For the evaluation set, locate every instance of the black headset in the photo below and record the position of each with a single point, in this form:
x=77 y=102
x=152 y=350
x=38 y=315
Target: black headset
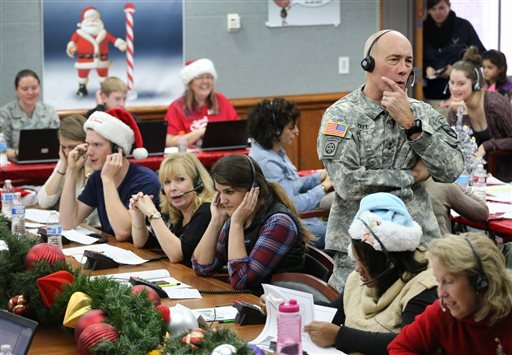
x=198 y=184
x=390 y=262
x=368 y=62
x=253 y=169
x=474 y=87
x=479 y=282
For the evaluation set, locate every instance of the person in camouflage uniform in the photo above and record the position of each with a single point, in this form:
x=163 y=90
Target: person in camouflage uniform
x=376 y=139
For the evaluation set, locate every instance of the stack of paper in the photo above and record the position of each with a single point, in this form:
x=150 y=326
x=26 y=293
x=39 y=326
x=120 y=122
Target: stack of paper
x=308 y=310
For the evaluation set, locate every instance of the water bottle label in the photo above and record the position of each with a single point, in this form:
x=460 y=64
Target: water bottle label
x=57 y=230
x=18 y=211
x=463 y=180
x=3 y=147
x=7 y=197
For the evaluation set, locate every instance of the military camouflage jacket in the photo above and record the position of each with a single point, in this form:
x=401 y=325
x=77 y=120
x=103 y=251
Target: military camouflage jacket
x=13 y=120
x=365 y=151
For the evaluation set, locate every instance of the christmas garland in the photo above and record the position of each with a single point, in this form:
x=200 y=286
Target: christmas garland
x=136 y=326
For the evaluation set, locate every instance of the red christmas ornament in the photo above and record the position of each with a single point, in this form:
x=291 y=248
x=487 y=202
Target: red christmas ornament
x=194 y=339
x=93 y=334
x=92 y=317
x=52 y=284
x=152 y=295
x=43 y=252
x=17 y=305
x=165 y=312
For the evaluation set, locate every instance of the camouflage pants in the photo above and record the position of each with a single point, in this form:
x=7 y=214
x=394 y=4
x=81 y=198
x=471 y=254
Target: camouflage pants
x=343 y=266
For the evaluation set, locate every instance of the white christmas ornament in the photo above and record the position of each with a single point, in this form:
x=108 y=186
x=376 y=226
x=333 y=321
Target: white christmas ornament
x=224 y=349
x=182 y=319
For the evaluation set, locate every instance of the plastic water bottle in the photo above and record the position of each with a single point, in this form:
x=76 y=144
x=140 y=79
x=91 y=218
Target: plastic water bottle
x=480 y=182
x=7 y=198
x=6 y=349
x=3 y=150
x=182 y=142
x=289 y=328
x=54 y=230
x=18 y=216
x=463 y=180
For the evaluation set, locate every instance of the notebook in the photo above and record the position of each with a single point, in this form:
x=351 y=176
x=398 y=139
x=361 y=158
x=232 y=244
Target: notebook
x=17 y=331
x=224 y=135
x=153 y=136
x=38 y=146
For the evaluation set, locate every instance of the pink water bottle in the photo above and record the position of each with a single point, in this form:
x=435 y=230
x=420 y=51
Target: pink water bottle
x=289 y=329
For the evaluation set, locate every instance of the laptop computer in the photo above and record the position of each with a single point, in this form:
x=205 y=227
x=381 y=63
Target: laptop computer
x=17 y=331
x=153 y=135
x=224 y=135
x=38 y=146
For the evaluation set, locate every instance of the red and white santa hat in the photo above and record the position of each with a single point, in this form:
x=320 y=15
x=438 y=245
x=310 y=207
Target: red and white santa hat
x=89 y=13
x=119 y=127
x=197 y=67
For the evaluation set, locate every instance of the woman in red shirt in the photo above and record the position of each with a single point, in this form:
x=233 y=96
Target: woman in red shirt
x=474 y=311
x=199 y=104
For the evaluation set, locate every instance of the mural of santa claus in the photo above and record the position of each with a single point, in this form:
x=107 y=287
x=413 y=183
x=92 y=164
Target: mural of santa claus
x=90 y=42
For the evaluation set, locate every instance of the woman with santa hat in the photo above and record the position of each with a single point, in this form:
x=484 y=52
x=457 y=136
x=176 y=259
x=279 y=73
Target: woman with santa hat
x=199 y=104
x=26 y=112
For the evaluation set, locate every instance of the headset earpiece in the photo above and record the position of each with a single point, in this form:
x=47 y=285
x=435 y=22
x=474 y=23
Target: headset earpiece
x=368 y=63
x=479 y=282
x=277 y=132
x=198 y=183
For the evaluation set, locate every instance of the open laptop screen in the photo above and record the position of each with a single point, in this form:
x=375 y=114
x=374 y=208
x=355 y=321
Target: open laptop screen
x=17 y=331
x=38 y=146
x=223 y=135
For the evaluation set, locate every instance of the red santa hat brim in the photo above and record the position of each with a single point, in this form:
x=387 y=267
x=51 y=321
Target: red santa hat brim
x=119 y=127
x=198 y=67
x=89 y=12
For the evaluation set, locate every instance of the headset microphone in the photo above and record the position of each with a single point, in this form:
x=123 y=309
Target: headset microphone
x=194 y=189
x=390 y=266
x=441 y=304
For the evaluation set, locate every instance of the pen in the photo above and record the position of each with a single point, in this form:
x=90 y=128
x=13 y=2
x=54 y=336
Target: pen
x=227 y=321
x=171 y=284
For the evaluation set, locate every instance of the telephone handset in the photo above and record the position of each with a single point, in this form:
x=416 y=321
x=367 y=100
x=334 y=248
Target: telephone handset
x=98 y=261
x=115 y=148
x=248 y=313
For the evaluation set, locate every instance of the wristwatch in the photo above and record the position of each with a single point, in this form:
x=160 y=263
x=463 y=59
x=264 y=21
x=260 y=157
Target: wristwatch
x=155 y=215
x=415 y=128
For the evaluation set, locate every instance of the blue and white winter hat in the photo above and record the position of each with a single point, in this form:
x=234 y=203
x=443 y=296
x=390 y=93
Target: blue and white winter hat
x=390 y=221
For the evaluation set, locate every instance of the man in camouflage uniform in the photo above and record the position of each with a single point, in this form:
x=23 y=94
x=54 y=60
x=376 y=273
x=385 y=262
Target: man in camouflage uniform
x=376 y=139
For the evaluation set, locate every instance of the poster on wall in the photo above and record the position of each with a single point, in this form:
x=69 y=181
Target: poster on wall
x=138 y=41
x=285 y=13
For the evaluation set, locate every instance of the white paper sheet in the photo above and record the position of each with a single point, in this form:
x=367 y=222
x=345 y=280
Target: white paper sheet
x=159 y=276
x=33 y=225
x=121 y=256
x=491 y=180
x=499 y=207
x=37 y=215
x=3 y=245
x=276 y=295
x=79 y=235
x=182 y=293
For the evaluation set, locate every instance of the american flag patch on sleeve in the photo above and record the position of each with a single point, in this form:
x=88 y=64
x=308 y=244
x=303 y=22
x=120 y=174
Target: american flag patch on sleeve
x=335 y=129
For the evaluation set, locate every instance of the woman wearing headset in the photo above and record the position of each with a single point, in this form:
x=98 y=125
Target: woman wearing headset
x=254 y=227
x=187 y=190
x=273 y=127
x=474 y=311
x=391 y=283
x=489 y=114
